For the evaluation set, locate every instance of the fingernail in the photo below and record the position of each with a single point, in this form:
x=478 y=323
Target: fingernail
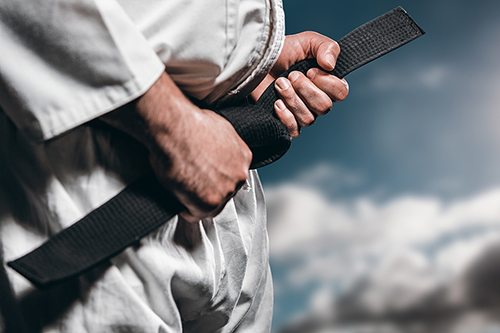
x=346 y=84
x=312 y=73
x=330 y=59
x=293 y=76
x=282 y=83
x=280 y=105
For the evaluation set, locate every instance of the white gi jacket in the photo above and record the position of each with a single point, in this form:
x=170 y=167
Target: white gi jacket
x=66 y=62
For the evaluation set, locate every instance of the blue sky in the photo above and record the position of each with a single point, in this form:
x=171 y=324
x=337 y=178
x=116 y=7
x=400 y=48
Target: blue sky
x=422 y=119
x=411 y=157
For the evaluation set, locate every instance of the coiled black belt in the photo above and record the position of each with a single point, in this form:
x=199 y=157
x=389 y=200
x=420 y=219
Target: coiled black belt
x=145 y=205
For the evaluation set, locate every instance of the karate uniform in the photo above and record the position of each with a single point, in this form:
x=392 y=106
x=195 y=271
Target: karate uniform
x=63 y=64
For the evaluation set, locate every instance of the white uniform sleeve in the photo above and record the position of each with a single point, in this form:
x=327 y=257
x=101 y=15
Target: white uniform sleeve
x=65 y=62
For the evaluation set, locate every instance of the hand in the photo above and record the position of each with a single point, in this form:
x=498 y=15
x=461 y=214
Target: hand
x=304 y=98
x=195 y=153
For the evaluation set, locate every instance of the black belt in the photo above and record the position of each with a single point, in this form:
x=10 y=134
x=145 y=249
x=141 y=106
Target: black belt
x=144 y=205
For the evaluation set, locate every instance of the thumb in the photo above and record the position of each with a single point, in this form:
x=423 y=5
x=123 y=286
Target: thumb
x=323 y=49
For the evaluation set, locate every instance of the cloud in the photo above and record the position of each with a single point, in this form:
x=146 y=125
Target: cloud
x=410 y=262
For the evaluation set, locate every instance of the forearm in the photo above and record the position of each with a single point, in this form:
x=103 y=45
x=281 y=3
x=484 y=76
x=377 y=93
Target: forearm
x=153 y=114
x=195 y=153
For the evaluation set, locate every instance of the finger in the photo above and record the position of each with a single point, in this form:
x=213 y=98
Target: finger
x=324 y=49
x=337 y=89
x=193 y=214
x=294 y=103
x=287 y=118
x=327 y=54
x=317 y=101
x=197 y=210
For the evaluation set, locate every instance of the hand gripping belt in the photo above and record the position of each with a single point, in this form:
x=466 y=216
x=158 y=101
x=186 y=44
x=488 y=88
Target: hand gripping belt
x=144 y=205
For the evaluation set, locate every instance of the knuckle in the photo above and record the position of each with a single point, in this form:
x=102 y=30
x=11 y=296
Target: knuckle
x=212 y=200
x=318 y=102
x=304 y=87
x=324 y=106
x=242 y=176
x=248 y=156
x=293 y=104
x=307 y=119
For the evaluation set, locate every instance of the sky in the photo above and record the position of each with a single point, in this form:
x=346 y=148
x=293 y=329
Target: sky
x=384 y=216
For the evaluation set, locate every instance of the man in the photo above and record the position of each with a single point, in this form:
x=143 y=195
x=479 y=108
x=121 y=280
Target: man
x=130 y=65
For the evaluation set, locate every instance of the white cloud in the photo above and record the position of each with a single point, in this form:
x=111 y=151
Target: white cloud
x=371 y=259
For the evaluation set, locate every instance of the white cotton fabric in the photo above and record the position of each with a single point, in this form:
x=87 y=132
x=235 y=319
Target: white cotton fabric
x=66 y=62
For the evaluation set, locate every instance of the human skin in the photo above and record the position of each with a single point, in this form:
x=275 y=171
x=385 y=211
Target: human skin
x=196 y=154
x=305 y=97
